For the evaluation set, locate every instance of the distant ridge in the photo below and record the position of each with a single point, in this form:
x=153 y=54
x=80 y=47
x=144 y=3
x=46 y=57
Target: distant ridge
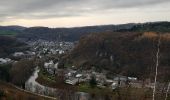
x=75 y=33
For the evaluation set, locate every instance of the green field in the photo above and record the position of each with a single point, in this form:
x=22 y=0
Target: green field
x=8 y=32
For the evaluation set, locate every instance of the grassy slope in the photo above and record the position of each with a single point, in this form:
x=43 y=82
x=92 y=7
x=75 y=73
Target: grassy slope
x=8 y=32
x=11 y=93
x=9 y=45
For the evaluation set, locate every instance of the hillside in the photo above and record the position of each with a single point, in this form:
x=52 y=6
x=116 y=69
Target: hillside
x=67 y=34
x=75 y=33
x=126 y=53
x=147 y=27
x=11 y=30
x=9 y=92
x=10 y=45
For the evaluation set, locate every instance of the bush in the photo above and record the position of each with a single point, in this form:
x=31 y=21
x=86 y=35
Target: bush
x=93 y=81
x=2 y=93
x=21 y=71
x=4 y=72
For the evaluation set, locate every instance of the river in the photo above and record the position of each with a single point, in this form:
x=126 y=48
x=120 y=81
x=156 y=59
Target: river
x=35 y=87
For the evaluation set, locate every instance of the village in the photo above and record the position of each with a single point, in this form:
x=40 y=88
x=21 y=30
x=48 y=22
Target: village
x=39 y=48
x=50 y=47
x=71 y=74
x=75 y=76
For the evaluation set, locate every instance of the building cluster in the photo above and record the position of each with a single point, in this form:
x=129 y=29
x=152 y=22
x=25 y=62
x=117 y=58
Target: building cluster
x=74 y=76
x=42 y=47
x=25 y=54
x=5 y=60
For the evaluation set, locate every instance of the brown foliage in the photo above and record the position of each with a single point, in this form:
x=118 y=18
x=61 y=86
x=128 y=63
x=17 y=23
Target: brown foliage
x=21 y=71
x=133 y=54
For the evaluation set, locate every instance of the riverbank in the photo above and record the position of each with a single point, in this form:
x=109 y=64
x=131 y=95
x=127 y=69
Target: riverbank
x=41 y=84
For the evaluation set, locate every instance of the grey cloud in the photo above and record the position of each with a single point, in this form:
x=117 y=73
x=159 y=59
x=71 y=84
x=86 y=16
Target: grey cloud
x=64 y=8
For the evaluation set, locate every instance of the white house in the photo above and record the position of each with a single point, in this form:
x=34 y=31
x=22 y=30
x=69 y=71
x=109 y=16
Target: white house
x=79 y=75
x=48 y=64
x=17 y=54
x=132 y=78
x=72 y=81
x=51 y=67
x=114 y=85
x=4 y=61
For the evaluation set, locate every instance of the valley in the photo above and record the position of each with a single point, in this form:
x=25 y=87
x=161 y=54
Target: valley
x=112 y=62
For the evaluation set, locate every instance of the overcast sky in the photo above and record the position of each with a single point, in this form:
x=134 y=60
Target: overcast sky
x=70 y=13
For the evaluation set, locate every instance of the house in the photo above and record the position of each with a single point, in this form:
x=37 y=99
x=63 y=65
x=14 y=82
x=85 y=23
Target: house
x=48 y=64
x=100 y=77
x=18 y=54
x=4 y=61
x=79 y=75
x=60 y=51
x=109 y=81
x=56 y=66
x=122 y=80
x=72 y=81
x=114 y=85
x=132 y=78
x=70 y=73
x=51 y=67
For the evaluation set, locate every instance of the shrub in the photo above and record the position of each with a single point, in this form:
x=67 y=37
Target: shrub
x=2 y=93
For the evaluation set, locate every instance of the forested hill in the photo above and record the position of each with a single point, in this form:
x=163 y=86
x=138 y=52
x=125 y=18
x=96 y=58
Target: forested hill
x=11 y=30
x=75 y=33
x=126 y=53
x=10 y=45
x=148 y=27
x=67 y=34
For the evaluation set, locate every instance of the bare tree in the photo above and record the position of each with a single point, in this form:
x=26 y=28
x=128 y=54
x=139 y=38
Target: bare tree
x=167 y=91
x=157 y=64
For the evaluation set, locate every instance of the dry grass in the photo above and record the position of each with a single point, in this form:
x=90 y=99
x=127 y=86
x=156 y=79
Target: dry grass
x=166 y=37
x=153 y=35
x=150 y=35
